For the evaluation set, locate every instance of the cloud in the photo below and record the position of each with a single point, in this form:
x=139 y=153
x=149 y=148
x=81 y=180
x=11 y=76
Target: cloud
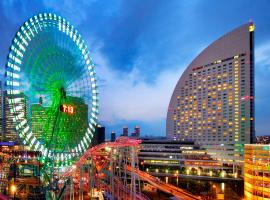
x=78 y=11
x=126 y=96
x=262 y=53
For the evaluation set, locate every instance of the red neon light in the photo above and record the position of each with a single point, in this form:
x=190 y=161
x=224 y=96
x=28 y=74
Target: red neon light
x=67 y=109
x=247 y=98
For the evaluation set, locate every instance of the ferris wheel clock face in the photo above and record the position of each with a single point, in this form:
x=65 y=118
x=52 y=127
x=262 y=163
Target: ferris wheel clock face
x=51 y=88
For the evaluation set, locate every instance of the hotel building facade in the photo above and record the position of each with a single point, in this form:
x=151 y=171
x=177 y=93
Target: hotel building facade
x=213 y=101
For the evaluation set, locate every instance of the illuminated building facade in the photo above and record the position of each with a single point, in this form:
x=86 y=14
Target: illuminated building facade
x=38 y=121
x=171 y=157
x=257 y=171
x=10 y=133
x=213 y=101
x=66 y=125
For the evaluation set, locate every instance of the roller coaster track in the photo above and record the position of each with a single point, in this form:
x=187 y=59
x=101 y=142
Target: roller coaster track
x=97 y=154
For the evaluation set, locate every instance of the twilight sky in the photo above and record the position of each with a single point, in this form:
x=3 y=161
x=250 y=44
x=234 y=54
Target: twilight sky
x=141 y=47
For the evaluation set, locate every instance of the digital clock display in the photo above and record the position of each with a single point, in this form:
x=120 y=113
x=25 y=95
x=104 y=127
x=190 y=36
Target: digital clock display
x=69 y=109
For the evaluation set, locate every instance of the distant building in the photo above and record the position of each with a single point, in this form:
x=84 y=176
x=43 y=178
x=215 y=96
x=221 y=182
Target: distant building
x=21 y=104
x=99 y=136
x=113 y=136
x=257 y=172
x=265 y=139
x=125 y=131
x=213 y=101
x=137 y=132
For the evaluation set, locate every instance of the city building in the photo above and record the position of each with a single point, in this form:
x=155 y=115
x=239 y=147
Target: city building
x=69 y=127
x=1 y=113
x=99 y=136
x=38 y=123
x=21 y=104
x=125 y=131
x=257 y=171
x=113 y=136
x=213 y=101
x=263 y=139
x=137 y=132
x=170 y=157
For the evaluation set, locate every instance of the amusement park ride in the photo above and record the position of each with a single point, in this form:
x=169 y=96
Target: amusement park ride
x=53 y=96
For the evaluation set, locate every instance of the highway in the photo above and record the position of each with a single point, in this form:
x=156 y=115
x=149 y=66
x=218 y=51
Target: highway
x=165 y=187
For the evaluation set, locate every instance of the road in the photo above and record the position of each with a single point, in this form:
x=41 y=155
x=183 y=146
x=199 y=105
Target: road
x=165 y=187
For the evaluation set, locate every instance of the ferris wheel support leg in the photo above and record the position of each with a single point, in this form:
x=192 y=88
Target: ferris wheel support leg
x=93 y=179
x=81 y=183
x=133 y=180
x=137 y=166
x=111 y=174
x=71 y=189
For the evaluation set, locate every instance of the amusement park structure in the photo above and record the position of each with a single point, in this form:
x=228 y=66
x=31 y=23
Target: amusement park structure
x=53 y=99
x=112 y=167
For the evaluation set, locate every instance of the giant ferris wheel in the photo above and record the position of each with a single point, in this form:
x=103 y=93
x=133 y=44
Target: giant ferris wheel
x=51 y=89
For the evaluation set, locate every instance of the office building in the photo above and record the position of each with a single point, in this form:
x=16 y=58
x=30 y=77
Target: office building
x=257 y=171
x=125 y=131
x=99 y=136
x=10 y=134
x=70 y=127
x=213 y=101
x=113 y=136
x=137 y=132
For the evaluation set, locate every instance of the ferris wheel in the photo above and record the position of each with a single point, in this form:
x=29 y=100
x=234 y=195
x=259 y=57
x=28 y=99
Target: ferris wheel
x=51 y=89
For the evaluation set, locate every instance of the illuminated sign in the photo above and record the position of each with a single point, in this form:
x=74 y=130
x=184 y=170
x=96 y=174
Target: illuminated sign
x=7 y=143
x=247 y=98
x=69 y=109
x=197 y=68
x=251 y=27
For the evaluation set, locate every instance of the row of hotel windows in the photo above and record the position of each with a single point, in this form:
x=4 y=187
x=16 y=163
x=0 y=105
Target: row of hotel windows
x=204 y=90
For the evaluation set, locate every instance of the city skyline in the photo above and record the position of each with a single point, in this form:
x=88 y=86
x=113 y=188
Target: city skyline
x=138 y=64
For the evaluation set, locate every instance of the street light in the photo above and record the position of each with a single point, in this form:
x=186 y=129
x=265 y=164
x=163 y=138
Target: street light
x=13 y=190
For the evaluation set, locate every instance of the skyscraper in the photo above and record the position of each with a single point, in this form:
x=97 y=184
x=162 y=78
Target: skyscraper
x=125 y=131
x=49 y=126
x=38 y=123
x=213 y=101
x=99 y=136
x=21 y=104
x=113 y=136
x=137 y=132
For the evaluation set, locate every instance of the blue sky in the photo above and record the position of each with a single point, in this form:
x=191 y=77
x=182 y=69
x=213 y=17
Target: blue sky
x=141 y=47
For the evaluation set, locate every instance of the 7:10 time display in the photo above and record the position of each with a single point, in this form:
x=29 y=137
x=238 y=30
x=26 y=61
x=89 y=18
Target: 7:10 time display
x=69 y=109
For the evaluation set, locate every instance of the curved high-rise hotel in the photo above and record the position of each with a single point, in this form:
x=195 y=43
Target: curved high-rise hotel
x=213 y=101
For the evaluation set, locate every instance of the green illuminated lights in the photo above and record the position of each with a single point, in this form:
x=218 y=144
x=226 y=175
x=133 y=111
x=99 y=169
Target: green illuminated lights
x=49 y=64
